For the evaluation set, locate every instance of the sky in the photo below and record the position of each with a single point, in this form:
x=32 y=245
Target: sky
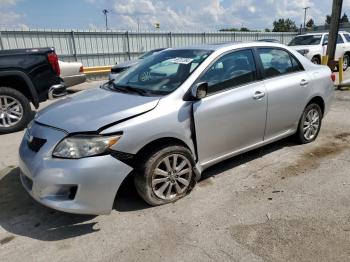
x=172 y=15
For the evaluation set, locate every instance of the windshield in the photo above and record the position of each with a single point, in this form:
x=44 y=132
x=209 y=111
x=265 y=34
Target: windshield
x=306 y=40
x=149 y=53
x=161 y=73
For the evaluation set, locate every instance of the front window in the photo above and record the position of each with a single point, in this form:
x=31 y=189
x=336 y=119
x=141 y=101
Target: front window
x=306 y=40
x=161 y=73
x=231 y=70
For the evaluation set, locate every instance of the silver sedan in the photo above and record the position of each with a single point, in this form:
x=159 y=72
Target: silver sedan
x=169 y=118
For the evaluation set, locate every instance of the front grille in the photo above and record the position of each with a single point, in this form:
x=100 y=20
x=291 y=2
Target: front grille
x=35 y=143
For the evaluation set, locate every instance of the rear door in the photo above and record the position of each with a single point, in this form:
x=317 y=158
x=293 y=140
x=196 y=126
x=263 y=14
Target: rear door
x=287 y=86
x=233 y=114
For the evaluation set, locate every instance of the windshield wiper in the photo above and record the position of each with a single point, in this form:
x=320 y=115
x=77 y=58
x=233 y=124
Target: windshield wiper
x=109 y=82
x=130 y=88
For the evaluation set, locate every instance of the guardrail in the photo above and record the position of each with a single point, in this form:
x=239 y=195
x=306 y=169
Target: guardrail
x=93 y=70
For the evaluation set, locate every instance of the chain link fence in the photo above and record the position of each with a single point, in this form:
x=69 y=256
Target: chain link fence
x=99 y=48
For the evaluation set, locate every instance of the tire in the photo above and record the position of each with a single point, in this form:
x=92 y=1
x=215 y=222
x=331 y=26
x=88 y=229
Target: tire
x=307 y=133
x=346 y=62
x=16 y=117
x=316 y=60
x=165 y=185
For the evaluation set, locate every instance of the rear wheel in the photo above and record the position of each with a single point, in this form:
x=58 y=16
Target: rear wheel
x=309 y=124
x=15 y=111
x=166 y=176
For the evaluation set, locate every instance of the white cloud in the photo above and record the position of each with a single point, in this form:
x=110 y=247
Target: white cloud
x=206 y=15
x=8 y=18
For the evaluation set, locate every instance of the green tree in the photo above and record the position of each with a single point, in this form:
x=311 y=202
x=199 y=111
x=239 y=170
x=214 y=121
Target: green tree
x=328 y=20
x=344 y=19
x=284 y=25
x=244 y=29
x=267 y=30
x=229 y=29
x=310 y=23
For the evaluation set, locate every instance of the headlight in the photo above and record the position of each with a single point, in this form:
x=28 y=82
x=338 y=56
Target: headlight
x=80 y=146
x=304 y=51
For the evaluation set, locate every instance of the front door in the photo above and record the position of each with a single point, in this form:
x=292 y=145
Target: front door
x=233 y=114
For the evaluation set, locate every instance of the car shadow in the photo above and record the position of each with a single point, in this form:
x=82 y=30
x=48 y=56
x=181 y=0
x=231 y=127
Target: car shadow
x=128 y=200
x=21 y=215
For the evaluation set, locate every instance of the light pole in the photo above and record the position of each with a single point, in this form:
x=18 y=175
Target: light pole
x=305 y=8
x=105 y=12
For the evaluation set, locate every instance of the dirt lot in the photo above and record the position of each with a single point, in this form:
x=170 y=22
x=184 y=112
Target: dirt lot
x=284 y=202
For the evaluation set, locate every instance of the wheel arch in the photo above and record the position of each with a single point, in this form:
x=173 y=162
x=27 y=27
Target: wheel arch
x=16 y=80
x=319 y=101
x=146 y=149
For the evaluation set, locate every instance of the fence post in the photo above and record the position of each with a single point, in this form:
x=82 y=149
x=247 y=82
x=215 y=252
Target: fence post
x=204 y=40
x=170 y=40
x=257 y=36
x=128 y=44
x=1 y=43
x=282 y=38
x=74 y=46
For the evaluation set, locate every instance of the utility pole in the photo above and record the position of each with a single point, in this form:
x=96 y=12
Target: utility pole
x=305 y=9
x=105 y=12
x=333 y=32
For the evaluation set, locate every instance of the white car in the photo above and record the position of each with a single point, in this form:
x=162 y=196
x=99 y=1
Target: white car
x=72 y=73
x=314 y=45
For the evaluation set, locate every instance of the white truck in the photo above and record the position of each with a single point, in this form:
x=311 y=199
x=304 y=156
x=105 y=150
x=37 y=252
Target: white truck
x=314 y=45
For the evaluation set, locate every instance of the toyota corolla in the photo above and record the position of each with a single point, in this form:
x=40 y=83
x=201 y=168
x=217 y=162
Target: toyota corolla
x=169 y=118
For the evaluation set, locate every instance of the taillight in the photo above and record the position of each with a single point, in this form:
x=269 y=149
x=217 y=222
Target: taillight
x=333 y=77
x=53 y=60
x=81 y=69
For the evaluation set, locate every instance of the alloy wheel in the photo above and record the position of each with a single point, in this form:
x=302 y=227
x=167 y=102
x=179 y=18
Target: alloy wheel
x=311 y=124
x=11 y=111
x=171 y=177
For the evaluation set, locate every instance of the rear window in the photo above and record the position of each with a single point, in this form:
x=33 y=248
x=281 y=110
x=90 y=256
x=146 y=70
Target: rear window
x=278 y=62
x=306 y=40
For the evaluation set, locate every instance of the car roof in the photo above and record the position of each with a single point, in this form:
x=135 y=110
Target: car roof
x=218 y=46
x=321 y=33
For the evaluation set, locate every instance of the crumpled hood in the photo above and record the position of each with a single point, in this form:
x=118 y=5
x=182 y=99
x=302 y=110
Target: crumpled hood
x=93 y=109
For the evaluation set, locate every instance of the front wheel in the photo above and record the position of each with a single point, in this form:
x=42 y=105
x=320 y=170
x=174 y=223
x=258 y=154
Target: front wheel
x=15 y=111
x=166 y=176
x=346 y=62
x=316 y=60
x=309 y=124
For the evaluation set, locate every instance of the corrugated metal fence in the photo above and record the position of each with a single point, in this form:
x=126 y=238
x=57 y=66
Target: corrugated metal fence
x=97 y=48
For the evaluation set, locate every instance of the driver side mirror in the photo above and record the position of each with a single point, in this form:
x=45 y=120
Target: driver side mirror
x=325 y=43
x=199 y=90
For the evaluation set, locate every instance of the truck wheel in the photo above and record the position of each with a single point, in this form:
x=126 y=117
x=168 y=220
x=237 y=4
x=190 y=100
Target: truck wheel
x=316 y=60
x=346 y=62
x=166 y=175
x=15 y=111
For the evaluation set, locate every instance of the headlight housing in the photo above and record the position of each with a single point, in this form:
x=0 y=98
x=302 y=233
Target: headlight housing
x=304 y=51
x=80 y=146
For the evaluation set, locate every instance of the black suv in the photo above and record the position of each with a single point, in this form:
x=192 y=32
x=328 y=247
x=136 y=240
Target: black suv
x=26 y=76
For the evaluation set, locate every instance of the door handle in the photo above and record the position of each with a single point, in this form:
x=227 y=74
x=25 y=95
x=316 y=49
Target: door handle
x=304 y=82
x=258 y=95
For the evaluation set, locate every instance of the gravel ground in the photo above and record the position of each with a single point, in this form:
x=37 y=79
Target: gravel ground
x=284 y=202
